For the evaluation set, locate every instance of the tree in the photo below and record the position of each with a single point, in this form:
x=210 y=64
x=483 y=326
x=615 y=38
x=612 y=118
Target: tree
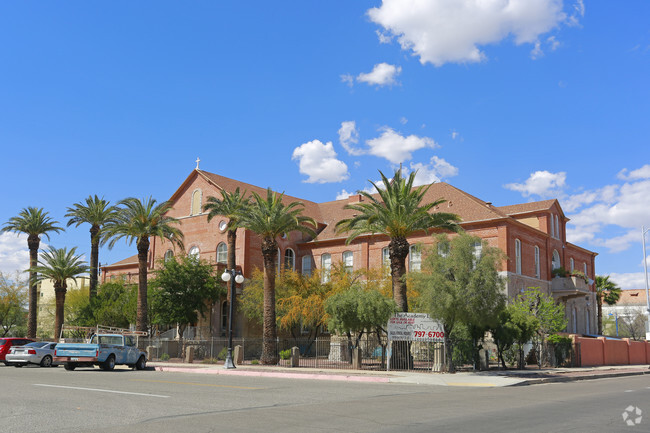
x=60 y=265
x=632 y=323
x=182 y=290
x=515 y=325
x=13 y=299
x=114 y=305
x=97 y=212
x=357 y=310
x=398 y=213
x=270 y=218
x=33 y=222
x=608 y=291
x=549 y=316
x=460 y=284
x=139 y=220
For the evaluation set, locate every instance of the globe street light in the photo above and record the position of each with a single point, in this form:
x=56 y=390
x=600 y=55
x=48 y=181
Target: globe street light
x=228 y=275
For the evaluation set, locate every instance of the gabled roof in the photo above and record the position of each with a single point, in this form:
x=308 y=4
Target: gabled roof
x=631 y=297
x=126 y=262
x=532 y=207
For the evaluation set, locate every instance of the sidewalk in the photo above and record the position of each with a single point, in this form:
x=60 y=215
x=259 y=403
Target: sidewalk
x=493 y=378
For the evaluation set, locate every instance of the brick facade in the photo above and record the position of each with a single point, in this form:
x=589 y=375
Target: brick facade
x=522 y=227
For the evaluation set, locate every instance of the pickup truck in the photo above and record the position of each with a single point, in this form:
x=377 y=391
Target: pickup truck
x=105 y=350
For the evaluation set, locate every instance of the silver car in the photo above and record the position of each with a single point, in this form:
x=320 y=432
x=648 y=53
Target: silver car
x=38 y=352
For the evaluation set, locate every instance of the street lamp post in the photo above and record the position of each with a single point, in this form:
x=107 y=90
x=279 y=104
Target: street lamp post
x=234 y=277
x=645 y=278
x=616 y=320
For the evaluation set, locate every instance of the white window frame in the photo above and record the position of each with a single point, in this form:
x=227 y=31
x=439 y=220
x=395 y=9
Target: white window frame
x=289 y=259
x=326 y=267
x=348 y=260
x=556 y=264
x=169 y=254
x=517 y=256
x=572 y=264
x=194 y=252
x=222 y=256
x=415 y=258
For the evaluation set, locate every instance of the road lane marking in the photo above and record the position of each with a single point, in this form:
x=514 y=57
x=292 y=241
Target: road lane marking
x=194 y=383
x=470 y=384
x=101 y=390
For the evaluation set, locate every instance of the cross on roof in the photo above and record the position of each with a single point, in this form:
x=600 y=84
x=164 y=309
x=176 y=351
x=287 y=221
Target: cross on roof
x=197 y=162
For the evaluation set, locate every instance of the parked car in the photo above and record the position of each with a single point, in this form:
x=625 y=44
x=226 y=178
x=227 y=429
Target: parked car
x=104 y=350
x=38 y=352
x=7 y=343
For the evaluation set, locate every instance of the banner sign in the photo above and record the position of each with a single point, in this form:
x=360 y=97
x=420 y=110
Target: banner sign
x=415 y=327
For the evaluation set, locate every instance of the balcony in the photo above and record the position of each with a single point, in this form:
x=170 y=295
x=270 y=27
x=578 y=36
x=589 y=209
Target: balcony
x=565 y=288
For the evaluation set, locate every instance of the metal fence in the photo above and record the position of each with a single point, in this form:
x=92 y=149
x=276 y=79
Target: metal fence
x=371 y=352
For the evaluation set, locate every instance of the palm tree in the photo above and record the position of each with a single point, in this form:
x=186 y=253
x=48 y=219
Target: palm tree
x=97 y=212
x=398 y=213
x=60 y=265
x=233 y=206
x=138 y=220
x=34 y=223
x=607 y=291
x=269 y=218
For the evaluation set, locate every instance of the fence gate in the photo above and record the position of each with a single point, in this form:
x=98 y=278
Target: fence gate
x=413 y=337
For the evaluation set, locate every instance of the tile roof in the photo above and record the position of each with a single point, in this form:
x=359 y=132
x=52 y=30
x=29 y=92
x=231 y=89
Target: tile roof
x=128 y=261
x=632 y=297
x=535 y=206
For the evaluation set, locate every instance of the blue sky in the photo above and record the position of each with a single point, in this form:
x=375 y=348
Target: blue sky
x=511 y=101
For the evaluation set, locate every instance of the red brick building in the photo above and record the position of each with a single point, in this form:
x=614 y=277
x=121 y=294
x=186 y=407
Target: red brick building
x=532 y=235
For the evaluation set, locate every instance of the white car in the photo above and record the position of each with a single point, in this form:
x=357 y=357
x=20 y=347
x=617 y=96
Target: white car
x=38 y=352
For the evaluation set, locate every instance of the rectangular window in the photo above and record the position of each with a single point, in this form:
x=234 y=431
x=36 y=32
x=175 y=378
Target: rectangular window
x=306 y=265
x=385 y=260
x=537 y=266
x=348 y=261
x=415 y=258
x=518 y=256
x=326 y=267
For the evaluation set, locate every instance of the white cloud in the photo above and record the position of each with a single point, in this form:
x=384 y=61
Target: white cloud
x=639 y=173
x=382 y=74
x=436 y=171
x=631 y=280
x=347 y=79
x=454 y=135
x=14 y=254
x=442 y=31
x=403 y=120
x=349 y=135
x=370 y=190
x=319 y=162
x=395 y=147
x=383 y=37
x=542 y=183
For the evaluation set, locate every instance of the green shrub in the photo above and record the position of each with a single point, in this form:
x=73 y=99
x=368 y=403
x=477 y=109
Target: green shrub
x=210 y=361
x=285 y=354
x=255 y=362
x=559 y=272
x=164 y=357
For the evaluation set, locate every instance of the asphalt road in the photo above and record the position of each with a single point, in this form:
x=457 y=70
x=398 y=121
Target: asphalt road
x=55 y=400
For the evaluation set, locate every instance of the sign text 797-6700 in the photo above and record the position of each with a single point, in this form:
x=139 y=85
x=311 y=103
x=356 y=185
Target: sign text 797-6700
x=415 y=327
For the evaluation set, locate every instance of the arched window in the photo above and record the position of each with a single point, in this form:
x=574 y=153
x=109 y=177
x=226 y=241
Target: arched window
x=557 y=227
x=169 y=255
x=289 y=259
x=571 y=263
x=537 y=266
x=222 y=253
x=306 y=264
x=415 y=258
x=326 y=267
x=556 y=260
x=518 y=256
x=194 y=253
x=348 y=261
x=552 y=227
x=196 y=202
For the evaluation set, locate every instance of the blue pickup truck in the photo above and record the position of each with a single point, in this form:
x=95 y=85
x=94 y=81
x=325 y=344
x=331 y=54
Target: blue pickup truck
x=104 y=350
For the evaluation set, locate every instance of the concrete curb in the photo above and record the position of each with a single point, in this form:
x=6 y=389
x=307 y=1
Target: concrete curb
x=558 y=379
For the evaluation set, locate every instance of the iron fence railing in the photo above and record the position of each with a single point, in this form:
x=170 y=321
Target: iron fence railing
x=323 y=352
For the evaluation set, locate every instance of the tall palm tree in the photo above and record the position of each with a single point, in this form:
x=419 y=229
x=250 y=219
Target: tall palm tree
x=97 y=212
x=398 y=213
x=607 y=291
x=270 y=218
x=233 y=205
x=34 y=222
x=138 y=220
x=60 y=265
